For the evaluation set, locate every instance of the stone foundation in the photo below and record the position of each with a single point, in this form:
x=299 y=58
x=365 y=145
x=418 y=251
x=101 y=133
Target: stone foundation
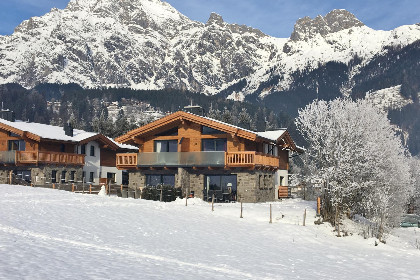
x=252 y=185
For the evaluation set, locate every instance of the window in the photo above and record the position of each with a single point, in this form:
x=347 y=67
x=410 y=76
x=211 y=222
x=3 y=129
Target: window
x=63 y=176
x=72 y=175
x=162 y=146
x=92 y=151
x=223 y=187
x=62 y=148
x=24 y=174
x=170 y=132
x=54 y=176
x=91 y=174
x=11 y=134
x=83 y=176
x=17 y=145
x=160 y=179
x=111 y=177
x=209 y=131
x=271 y=149
x=213 y=145
x=83 y=149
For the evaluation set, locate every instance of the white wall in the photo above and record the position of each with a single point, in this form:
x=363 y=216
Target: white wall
x=118 y=173
x=92 y=163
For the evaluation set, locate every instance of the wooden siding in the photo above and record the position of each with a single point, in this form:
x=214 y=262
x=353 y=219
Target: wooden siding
x=108 y=157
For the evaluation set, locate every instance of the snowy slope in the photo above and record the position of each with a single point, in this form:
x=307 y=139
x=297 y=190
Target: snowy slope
x=147 y=44
x=51 y=234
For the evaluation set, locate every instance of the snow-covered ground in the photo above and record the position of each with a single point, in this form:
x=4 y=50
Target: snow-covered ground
x=51 y=234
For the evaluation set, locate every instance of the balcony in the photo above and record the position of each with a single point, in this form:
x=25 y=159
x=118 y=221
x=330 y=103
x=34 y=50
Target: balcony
x=36 y=157
x=197 y=159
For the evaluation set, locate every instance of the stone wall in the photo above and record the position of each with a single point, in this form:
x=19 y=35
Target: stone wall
x=252 y=185
x=43 y=174
x=4 y=176
x=255 y=186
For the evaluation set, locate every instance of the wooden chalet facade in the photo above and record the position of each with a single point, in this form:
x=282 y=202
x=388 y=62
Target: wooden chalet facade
x=207 y=157
x=43 y=154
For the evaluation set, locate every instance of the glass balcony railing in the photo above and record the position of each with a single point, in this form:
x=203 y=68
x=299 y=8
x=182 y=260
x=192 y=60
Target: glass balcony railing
x=8 y=157
x=182 y=159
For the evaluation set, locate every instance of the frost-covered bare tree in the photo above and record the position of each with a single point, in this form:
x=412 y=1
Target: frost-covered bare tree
x=358 y=160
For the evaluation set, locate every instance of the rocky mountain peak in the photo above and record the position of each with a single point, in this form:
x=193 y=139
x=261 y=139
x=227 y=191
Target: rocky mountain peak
x=336 y=20
x=215 y=19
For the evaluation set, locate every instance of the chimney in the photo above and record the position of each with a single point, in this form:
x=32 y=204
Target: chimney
x=68 y=129
x=194 y=109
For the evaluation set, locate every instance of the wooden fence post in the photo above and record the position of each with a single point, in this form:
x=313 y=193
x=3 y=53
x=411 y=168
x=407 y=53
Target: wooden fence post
x=90 y=188
x=318 y=206
x=271 y=215
x=212 y=202
x=304 y=218
x=10 y=177
x=53 y=185
x=72 y=187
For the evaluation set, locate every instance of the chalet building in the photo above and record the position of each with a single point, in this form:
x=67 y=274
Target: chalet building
x=43 y=154
x=207 y=157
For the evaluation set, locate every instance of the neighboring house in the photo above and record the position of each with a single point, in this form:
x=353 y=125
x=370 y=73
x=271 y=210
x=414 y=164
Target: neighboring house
x=44 y=154
x=207 y=157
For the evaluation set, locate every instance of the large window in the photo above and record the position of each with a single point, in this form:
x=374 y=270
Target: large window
x=222 y=187
x=213 y=145
x=208 y=130
x=111 y=177
x=17 y=145
x=160 y=179
x=162 y=146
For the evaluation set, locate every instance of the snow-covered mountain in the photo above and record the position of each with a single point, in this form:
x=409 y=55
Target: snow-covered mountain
x=147 y=44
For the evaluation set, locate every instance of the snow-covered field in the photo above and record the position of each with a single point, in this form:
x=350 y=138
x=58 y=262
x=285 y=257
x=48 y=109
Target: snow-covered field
x=51 y=234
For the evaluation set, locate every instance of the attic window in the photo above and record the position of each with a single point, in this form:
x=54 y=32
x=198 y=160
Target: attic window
x=170 y=132
x=208 y=130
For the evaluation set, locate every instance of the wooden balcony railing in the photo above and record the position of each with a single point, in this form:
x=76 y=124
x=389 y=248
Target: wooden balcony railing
x=251 y=159
x=129 y=160
x=35 y=157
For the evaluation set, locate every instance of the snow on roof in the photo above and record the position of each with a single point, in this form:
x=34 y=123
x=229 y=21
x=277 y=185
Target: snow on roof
x=56 y=132
x=272 y=135
x=269 y=135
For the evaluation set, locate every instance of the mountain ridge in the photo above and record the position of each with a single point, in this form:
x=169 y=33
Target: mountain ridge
x=148 y=44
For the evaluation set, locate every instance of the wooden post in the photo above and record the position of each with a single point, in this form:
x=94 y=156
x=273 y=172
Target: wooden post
x=241 y=211
x=161 y=194
x=72 y=187
x=186 y=197
x=90 y=188
x=212 y=202
x=10 y=177
x=318 y=206
x=121 y=187
x=53 y=185
x=304 y=218
x=271 y=215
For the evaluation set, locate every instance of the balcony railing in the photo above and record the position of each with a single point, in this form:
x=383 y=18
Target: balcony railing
x=35 y=157
x=196 y=159
x=8 y=157
x=251 y=159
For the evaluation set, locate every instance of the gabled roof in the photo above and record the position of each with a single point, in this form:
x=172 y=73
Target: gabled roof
x=173 y=119
x=38 y=131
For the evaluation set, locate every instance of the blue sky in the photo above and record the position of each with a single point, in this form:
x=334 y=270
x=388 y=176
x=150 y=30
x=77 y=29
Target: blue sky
x=273 y=17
